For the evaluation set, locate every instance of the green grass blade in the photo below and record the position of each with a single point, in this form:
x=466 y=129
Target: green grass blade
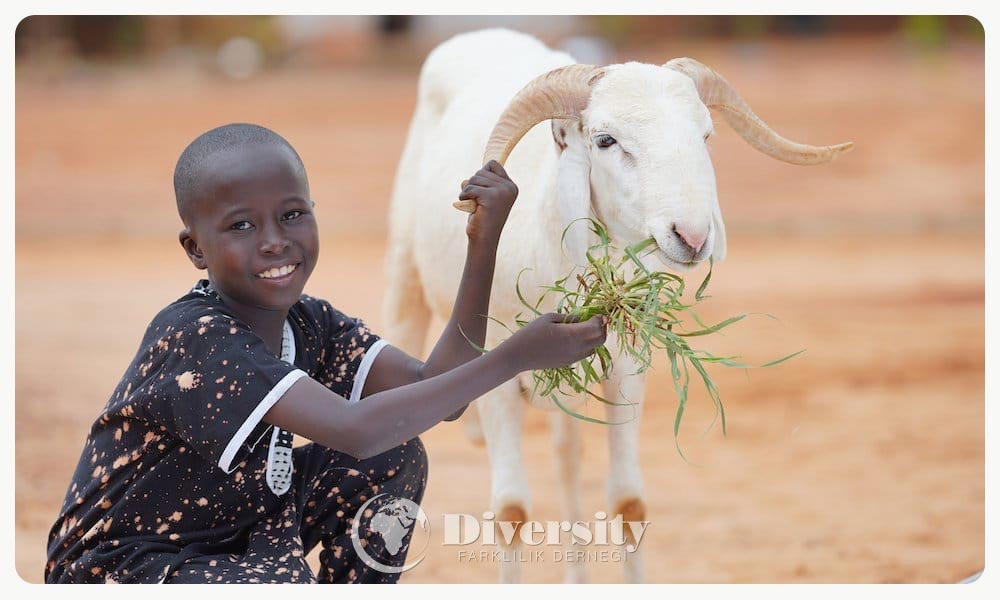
x=704 y=284
x=712 y=329
x=782 y=359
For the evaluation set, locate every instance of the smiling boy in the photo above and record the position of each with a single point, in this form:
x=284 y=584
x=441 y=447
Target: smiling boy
x=188 y=474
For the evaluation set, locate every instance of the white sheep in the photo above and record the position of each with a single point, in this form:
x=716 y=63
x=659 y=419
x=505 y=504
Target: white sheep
x=626 y=146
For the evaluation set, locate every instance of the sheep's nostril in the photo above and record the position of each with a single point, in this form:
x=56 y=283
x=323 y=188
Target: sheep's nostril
x=692 y=237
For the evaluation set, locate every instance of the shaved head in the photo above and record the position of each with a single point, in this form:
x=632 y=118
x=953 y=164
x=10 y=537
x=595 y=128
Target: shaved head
x=190 y=166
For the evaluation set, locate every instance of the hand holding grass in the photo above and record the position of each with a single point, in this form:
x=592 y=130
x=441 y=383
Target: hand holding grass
x=553 y=340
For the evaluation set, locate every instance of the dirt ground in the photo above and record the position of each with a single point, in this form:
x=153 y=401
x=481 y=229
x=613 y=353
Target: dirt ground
x=860 y=461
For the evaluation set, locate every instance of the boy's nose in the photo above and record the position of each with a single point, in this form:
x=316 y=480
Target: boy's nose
x=272 y=242
x=274 y=246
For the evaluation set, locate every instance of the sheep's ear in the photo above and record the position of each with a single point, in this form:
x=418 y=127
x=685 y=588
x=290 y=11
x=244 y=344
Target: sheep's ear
x=573 y=190
x=719 y=248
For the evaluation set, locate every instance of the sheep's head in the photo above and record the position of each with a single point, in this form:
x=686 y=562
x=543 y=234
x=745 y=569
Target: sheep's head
x=632 y=142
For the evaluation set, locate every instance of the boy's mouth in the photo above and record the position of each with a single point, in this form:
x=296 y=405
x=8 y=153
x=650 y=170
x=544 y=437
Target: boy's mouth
x=276 y=272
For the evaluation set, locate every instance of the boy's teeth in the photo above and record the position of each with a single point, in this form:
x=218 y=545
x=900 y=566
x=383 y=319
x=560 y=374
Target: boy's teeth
x=276 y=272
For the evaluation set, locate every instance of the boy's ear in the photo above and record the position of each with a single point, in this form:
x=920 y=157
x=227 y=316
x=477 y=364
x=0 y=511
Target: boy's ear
x=191 y=248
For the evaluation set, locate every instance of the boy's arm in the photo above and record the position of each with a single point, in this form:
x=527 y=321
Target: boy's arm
x=404 y=397
x=465 y=331
x=388 y=418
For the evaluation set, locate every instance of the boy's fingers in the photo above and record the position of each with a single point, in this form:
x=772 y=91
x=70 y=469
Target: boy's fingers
x=601 y=324
x=480 y=181
x=484 y=179
x=598 y=321
x=604 y=327
x=496 y=167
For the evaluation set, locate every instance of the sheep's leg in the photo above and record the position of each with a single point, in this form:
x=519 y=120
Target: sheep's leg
x=626 y=494
x=501 y=414
x=568 y=451
x=404 y=309
x=471 y=424
x=407 y=319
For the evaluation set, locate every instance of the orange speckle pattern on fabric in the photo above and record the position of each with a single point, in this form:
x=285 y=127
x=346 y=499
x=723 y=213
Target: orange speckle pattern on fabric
x=170 y=483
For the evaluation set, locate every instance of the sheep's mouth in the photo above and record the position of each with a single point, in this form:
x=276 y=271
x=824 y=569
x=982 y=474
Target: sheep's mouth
x=669 y=258
x=675 y=265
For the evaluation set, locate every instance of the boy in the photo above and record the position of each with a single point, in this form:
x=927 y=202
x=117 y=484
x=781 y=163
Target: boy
x=189 y=475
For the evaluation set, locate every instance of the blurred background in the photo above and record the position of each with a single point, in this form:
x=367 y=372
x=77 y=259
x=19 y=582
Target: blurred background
x=861 y=461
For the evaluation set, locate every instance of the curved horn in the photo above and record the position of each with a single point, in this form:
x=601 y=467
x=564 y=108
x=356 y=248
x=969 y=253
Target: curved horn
x=558 y=94
x=718 y=95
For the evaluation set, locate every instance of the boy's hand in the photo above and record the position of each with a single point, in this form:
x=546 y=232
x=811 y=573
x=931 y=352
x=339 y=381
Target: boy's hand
x=494 y=193
x=551 y=341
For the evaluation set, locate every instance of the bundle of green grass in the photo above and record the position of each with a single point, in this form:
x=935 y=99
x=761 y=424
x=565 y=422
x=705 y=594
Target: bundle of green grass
x=646 y=310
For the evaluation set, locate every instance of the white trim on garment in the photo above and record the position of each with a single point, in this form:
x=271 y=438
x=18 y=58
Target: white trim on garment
x=366 y=364
x=255 y=417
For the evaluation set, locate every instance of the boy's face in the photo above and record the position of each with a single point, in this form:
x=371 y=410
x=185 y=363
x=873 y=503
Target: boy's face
x=251 y=225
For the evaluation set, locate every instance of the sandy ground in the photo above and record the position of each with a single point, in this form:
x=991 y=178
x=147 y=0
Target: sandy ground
x=861 y=461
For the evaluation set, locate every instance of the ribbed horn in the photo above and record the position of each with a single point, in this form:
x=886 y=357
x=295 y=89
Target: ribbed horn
x=558 y=94
x=718 y=95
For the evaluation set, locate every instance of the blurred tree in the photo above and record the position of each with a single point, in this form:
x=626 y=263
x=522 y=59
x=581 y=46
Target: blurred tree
x=973 y=28
x=135 y=37
x=211 y=32
x=932 y=32
x=925 y=31
x=161 y=33
x=614 y=28
x=132 y=37
x=106 y=36
x=393 y=24
x=749 y=27
x=87 y=36
x=806 y=25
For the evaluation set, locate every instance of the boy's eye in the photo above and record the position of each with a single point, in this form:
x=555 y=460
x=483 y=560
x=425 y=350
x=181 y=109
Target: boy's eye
x=241 y=226
x=294 y=214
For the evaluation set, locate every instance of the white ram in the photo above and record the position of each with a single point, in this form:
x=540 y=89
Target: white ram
x=626 y=146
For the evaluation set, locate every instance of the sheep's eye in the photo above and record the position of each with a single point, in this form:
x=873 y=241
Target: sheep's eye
x=707 y=135
x=604 y=141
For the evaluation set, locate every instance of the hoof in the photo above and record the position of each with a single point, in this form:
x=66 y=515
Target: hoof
x=516 y=515
x=631 y=509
